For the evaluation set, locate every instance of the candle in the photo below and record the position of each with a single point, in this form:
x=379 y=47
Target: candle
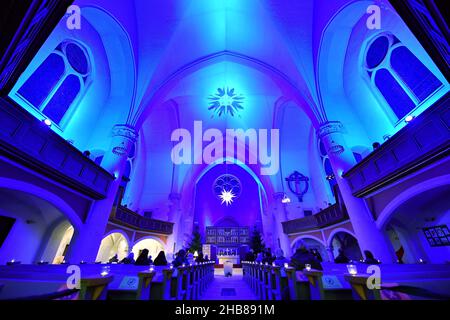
x=105 y=271
x=308 y=267
x=273 y=264
x=286 y=265
x=352 y=269
x=171 y=266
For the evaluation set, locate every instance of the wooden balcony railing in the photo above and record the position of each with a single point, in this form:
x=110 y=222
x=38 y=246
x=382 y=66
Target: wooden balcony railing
x=423 y=141
x=127 y=217
x=329 y=216
x=26 y=140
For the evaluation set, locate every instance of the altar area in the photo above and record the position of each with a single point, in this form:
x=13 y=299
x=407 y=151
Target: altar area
x=226 y=244
x=227 y=254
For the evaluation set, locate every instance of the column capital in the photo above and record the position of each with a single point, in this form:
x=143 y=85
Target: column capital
x=123 y=137
x=330 y=127
x=126 y=131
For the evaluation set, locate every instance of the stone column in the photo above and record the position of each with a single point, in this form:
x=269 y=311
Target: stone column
x=173 y=243
x=280 y=215
x=330 y=253
x=86 y=242
x=342 y=159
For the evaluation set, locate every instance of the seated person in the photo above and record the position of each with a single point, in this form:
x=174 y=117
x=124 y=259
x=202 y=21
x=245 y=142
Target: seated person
x=250 y=256
x=267 y=257
x=370 y=259
x=190 y=258
x=341 y=258
x=200 y=259
x=280 y=260
x=180 y=259
x=303 y=257
x=259 y=257
x=143 y=260
x=129 y=259
x=160 y=259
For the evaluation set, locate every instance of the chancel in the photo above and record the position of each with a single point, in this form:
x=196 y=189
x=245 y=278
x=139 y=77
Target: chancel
x=224 y=150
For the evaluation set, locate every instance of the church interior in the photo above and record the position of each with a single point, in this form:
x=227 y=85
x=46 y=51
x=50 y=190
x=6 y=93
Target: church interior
x=224 y=150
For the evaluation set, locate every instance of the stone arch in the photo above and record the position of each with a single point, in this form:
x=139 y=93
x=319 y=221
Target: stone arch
x=407 y=194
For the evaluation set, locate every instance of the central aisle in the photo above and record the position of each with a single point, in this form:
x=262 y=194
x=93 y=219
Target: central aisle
x=231 y=288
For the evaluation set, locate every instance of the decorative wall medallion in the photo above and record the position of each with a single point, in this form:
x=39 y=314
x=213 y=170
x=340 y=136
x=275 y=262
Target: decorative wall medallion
x=225 y=101
x=298 y=184
x=227 y=188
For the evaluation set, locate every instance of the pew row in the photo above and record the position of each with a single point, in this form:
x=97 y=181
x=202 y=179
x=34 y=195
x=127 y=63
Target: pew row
x=270 y=282
x=121 y=282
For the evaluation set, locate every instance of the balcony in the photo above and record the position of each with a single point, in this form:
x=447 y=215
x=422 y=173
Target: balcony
x=26 y=140
x=129 y=218
x=423 y=141
x=327 y=217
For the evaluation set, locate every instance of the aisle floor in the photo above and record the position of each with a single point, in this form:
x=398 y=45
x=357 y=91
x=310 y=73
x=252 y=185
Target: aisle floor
x=231 y=288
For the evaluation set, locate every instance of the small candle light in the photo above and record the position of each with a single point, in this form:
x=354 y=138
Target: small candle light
x=286 y=265
x=352 y=269
x=105 y=271
x=151 y=269
x=266 y=263
x=48 y=122
x=308 y=267
x=12 y=261
x=171 y=266
x=183 y=265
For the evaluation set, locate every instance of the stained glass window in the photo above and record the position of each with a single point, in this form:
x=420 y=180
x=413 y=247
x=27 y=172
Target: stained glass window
x=399 y=76
x=58 y=83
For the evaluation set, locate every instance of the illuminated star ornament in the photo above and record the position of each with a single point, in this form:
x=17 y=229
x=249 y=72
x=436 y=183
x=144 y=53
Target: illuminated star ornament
x=225 y=101
x=227 y=197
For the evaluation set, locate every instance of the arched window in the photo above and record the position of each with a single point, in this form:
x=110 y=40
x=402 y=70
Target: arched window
x=58 y=83
x=399 y=76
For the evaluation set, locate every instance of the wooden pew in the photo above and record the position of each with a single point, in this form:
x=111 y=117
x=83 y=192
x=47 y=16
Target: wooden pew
x=298 y=285
x=404 y=282
x=330 y=287
x=94 y=287
x=279 y=288
x=37 y=284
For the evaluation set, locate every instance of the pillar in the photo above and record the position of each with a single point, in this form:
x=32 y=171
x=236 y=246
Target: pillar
x=86 y=242
x=342 y=159
x=280 y=215
x=330 y=253
x=174 y=216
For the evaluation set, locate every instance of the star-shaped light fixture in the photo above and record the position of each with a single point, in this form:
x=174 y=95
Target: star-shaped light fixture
x=227 y=197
